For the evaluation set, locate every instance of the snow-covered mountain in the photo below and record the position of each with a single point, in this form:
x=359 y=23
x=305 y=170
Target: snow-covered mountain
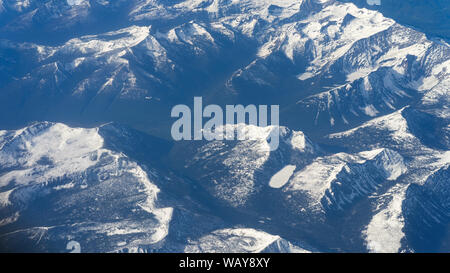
x=242 y=241
x=60 y=184
x=429 y=17
x=322 y=60
x=364 y=137
x=48 y=170
x=236 y=172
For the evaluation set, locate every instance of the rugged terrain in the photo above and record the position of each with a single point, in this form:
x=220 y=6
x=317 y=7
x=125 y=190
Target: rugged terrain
x=85 y=148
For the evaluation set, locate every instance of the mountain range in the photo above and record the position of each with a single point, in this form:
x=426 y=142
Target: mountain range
x=86 y=153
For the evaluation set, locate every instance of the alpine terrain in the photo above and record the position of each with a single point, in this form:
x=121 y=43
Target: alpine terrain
x=86 y=153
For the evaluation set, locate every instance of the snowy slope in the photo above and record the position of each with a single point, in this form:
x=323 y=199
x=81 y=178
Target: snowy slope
x=336 y=182
x=242 y=241
x=60 y=184
x=70 y=167
x=236 y=171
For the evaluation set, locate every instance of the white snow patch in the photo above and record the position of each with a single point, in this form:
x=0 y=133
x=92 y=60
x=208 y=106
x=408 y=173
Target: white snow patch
x=68 y=149
x=187 y=33
x=9 y=220
x=305 y=76
x=163 y=215
x=4 y=198
x=300 y=142
x=391 y=162
x=107 y=42
x=245 y=132
x=65 y=186
x=122 y=231
x=316 y=178
x=374 y=2
x=76 y=2
x=395 y=123
x=75 y=63
x=214 y=7
x=443 y=159
x=370 y=110
x=238 y=240
x=384 y=232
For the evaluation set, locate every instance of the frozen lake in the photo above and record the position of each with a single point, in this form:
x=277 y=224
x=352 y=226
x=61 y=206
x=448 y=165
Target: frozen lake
x=282 y=177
